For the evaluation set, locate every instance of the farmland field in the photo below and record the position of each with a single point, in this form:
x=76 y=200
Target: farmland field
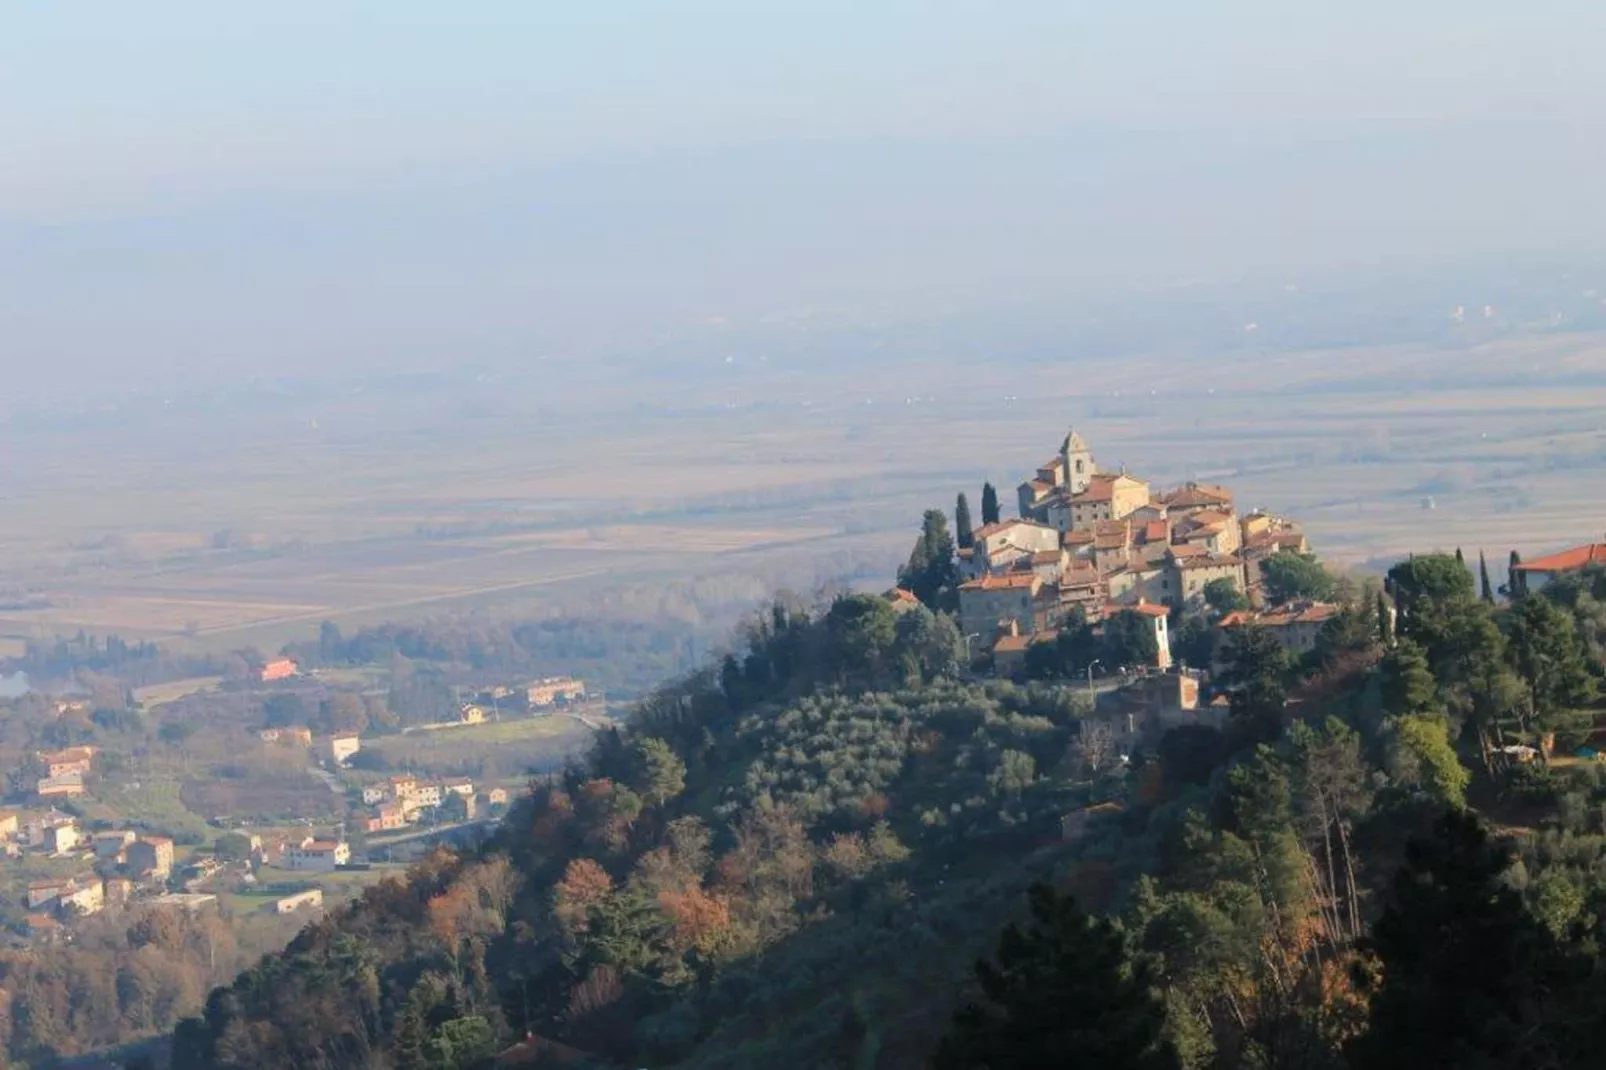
x=698 y=507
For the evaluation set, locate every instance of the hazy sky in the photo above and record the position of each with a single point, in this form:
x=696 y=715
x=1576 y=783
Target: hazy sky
x=211 y=184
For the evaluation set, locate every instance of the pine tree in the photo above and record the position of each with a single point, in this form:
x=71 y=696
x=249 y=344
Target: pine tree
x=989 y=504
x=1061 y=993
x=962 y=532
x=1469 y=978
x=1485 y=588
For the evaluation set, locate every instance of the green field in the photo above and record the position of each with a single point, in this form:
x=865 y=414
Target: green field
x=525 y=739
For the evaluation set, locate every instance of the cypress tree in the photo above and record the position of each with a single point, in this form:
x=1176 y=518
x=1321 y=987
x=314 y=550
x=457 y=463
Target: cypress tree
x=962 y=531
x=1459 y=559
x=931 y=574
x=1513 y=577
x=1486 y=589
x=989 y=504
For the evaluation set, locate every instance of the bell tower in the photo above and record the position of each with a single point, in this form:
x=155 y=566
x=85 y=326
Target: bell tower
x=1079 y=465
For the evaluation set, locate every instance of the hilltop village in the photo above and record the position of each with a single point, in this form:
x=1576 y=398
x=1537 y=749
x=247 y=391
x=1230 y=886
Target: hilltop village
x=1089 y=543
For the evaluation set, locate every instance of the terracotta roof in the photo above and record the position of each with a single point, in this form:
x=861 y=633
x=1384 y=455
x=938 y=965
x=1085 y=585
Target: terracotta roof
x=1210 y=516
x=1198 y=494
x=987 y=531
x=537 y=1049
x=1097 y=491
x=1303 y=613
x=1277 y=538
x=1567 y=560
x=1000 y=583
x=1184 y=550
x=1079 y=537
x=1149 y=609
x=1046 y=557
x=1012 y=644
x=1208 y=561
x=899 y=594
x=1155 y=531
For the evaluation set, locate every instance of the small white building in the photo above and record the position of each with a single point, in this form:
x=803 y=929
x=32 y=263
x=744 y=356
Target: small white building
x=60 y=839
x=340 y=747
x=319 y=856
x=374 y=794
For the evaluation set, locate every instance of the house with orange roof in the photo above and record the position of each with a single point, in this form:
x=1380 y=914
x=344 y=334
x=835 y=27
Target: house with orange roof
x=1534 y=575
x=1193 y=571
x=1023 y=600
x=277 y=669
x=54 y=763
x=1109 y=496
x=1196 y=497
x=1295 y=626
x=998 y=547
x=901 y=600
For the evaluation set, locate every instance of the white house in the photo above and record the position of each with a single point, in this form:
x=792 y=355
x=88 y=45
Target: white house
x=321 y=856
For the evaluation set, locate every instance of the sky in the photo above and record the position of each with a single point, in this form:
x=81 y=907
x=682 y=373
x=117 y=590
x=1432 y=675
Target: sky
x=189 y=187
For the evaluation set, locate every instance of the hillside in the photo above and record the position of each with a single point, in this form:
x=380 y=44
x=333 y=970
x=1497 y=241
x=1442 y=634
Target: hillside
x=794 y=857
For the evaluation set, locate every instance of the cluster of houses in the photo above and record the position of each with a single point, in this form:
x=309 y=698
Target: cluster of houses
x=404 y=799
x=132 y=860
x=337 y=748
x=60 y=774
x=1090 y=543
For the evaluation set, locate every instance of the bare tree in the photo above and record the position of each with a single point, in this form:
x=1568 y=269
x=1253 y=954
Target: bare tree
x=1094 y=745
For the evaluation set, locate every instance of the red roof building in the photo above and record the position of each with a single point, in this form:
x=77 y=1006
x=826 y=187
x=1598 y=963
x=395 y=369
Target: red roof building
x=1532 y=575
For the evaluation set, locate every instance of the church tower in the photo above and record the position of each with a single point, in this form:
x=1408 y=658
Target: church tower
x=1079 y=465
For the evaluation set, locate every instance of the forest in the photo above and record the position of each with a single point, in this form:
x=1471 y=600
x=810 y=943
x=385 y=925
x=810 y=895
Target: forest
x=837 y=847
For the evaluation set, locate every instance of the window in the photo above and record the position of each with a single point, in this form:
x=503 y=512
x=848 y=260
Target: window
x=1079 y=467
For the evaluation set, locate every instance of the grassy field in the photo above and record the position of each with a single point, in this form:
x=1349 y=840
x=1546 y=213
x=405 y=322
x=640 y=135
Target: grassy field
x=157 y=694
x=521 y=742
x=776 y=482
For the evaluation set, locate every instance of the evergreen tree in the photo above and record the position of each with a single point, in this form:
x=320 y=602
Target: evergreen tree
x=932 y=574
x=1485 y=588
x=1129 y=640
x=989 y=504
x=1513 y=577
x=1256 y=672
x=1469 y=978
x=1061 y=994
x=1407 y=681
x=1544 y=648
x=1460 y=559
x=962 y=533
